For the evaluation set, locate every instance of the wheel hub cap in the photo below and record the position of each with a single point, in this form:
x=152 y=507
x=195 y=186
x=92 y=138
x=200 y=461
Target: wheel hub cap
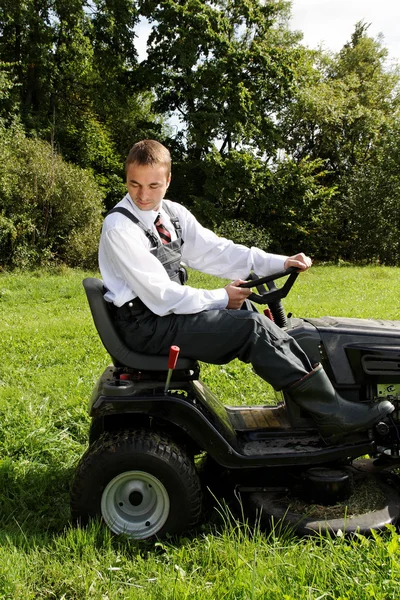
x=135 y=503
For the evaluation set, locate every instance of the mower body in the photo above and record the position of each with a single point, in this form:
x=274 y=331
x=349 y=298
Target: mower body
x=139 y=472
x=362 y=358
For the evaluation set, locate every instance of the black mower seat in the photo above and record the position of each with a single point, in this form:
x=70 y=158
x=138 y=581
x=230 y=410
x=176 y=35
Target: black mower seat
x=121 y=355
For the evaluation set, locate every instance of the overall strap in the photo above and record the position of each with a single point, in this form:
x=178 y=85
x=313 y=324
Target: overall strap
x=174 y=220
x=124 y=211
x=170 y=254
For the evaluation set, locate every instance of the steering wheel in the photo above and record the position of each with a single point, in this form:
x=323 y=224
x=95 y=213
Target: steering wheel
x=269 y=294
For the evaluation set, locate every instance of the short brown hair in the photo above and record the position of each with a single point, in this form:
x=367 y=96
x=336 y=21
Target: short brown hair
x=149 y=152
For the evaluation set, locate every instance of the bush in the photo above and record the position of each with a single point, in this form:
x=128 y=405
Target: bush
x=245 y=233
x=51 y=210
x=368 y=209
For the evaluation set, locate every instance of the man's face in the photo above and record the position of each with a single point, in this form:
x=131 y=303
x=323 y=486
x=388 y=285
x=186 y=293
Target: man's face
x=147 y=185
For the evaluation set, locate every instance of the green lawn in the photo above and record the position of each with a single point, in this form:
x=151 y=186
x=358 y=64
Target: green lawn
x=51 y=358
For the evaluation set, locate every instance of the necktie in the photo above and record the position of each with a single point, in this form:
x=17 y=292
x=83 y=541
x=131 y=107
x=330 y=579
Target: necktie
x=163 y=232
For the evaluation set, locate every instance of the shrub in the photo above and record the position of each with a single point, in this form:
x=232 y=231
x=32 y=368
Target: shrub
x=244 y=233
x=51 y=210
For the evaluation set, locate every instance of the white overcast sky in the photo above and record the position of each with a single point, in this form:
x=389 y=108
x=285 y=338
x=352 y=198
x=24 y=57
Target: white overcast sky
x=330 y=23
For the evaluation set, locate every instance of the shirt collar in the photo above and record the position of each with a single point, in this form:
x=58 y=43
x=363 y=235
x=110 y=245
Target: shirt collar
x=147 y=217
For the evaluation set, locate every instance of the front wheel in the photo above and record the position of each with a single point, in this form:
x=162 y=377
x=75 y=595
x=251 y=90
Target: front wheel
x=140 y=482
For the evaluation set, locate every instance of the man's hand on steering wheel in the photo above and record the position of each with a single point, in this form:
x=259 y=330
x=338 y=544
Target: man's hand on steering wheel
x=299 y=261
x=236 y=295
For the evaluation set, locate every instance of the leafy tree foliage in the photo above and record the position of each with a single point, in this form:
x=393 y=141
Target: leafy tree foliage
x=26 y=43
x=370 y=203
x=278 y=146
x=346 y=116
x=224 y=67
x=51 y=211
x=75 y=63
x=343 y=109
x=8 y=106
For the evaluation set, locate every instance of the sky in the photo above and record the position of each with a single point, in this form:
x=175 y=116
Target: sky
x=330 y=23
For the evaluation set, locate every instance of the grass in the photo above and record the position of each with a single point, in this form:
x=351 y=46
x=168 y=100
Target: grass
x=51 y=358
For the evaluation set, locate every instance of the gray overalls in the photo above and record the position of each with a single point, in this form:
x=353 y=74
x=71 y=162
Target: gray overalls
x=169 y=255
x=211 y=336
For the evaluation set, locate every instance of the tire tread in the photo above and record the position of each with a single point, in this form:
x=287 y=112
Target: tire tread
x=131 y=442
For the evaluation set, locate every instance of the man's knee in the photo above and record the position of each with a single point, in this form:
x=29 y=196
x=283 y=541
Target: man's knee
x=254 y=322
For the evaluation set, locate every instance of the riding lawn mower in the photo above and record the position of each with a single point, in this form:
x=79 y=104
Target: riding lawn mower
x=153 y=421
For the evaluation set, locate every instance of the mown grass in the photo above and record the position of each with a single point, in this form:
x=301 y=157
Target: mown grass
x=51 y=358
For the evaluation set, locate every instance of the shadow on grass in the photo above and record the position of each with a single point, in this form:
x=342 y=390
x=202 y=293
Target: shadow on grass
x=34 y=497
x=35 y=513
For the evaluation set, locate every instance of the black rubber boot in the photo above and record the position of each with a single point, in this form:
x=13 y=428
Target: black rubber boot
x=333 y=415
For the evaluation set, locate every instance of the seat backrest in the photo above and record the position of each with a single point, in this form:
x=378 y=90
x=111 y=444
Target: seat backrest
x=115 y=346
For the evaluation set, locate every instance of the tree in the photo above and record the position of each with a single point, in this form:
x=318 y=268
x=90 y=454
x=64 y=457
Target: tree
x=224 y=67
x=8 y=104
x=75 y=65
x=345 y=116
x=340 y=114
x=26 y=44
x=370 y=202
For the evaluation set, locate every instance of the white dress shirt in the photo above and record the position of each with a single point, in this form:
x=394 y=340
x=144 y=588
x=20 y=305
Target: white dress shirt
x=129 y=269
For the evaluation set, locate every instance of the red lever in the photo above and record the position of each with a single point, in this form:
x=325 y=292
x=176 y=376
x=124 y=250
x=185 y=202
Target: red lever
x=173 y=356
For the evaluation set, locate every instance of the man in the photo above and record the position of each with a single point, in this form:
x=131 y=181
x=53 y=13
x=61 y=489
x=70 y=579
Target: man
x=143 y=242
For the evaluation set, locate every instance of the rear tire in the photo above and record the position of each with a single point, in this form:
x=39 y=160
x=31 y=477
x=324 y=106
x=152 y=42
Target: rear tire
x=140 y=482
